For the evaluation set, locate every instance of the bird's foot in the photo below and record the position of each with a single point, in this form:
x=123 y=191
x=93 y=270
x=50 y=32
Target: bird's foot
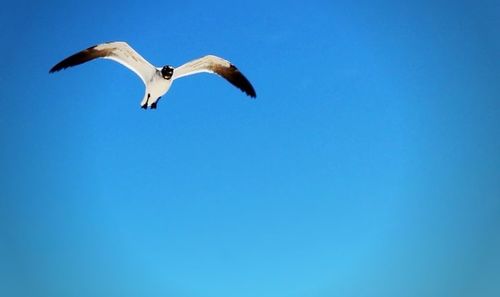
x=153 y=105
x=145 y=105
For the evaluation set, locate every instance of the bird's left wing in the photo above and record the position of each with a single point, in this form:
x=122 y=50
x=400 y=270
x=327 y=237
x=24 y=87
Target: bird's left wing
x=214 y=64
x=117 y=51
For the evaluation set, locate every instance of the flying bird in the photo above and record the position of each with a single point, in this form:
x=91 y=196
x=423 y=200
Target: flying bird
x=157 y=79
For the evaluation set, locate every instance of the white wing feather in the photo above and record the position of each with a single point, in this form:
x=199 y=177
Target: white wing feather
x=118 y=51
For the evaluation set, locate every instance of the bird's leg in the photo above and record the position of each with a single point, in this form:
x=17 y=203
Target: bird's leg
x=145 y=105
x=153 y=105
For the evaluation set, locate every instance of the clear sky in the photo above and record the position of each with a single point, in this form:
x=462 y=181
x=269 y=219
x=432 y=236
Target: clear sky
x=368 y=165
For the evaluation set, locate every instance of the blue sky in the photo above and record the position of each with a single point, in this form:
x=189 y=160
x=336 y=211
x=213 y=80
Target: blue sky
x=368 y=165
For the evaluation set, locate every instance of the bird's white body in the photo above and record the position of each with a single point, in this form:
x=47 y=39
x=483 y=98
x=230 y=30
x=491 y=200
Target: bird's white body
x=157 y=80
x=156 y=87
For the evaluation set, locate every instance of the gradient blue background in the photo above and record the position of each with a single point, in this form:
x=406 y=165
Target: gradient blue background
x=369 y=165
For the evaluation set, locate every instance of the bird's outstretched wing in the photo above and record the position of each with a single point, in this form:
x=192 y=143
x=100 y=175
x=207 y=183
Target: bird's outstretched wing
x=214 y=64
x=118 y=51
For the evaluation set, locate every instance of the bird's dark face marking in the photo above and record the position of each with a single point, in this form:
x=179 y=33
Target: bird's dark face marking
x=167 y=72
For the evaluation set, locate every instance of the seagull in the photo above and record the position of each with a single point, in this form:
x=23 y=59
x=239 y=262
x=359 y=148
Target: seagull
x=157 y=79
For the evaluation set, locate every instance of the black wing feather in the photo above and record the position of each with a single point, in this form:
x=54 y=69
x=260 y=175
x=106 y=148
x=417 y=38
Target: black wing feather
x=79 y=58
x=236 y=78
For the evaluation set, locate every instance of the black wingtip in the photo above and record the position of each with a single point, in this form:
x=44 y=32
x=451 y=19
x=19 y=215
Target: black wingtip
x=251 y=93
x=78 y=58
x=237 y=78
x=54 y=69
x=249 y=90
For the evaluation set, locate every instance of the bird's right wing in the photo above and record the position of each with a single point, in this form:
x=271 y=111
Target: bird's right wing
x=219 y=66
x=117 y=51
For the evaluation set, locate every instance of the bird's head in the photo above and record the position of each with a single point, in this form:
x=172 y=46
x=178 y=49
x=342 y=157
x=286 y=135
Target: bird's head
x=167 y=72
